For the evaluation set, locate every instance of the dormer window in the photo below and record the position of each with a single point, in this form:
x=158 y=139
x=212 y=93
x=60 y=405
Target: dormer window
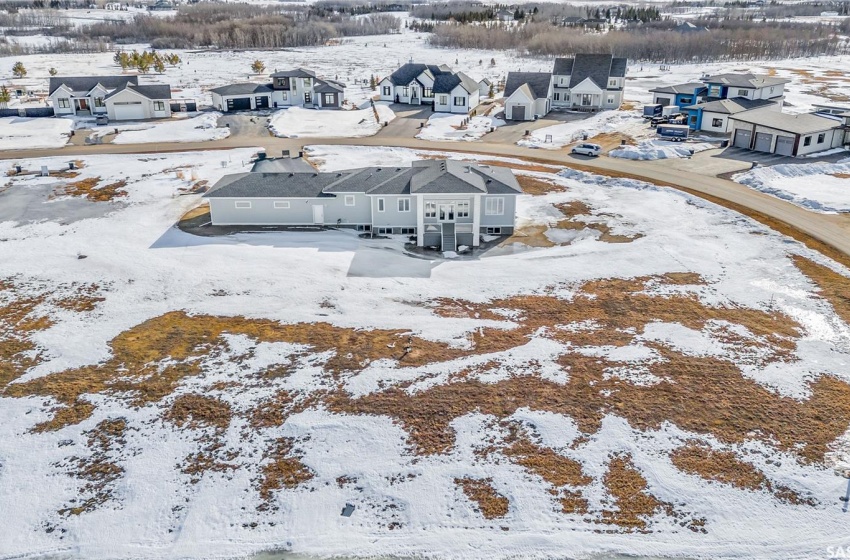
x=612 y=83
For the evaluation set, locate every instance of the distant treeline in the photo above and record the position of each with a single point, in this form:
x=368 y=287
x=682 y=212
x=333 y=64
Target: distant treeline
x=734 y=40
x=237 y=26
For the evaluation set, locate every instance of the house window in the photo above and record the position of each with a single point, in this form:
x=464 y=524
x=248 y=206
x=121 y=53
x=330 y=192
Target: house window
x=686 y=101
x=308 y=97
x=281 y=204
x=64 y=103
x=563 y=81
x=427 y=92
x=557 y=96
x=807 y=141
x=743 y=92
x=430 y=209
x=157 y=105
x=821 y=137
x=281 y=82
x=463 y=209
x=385 y=231
x=460 y=101
x=308 y=82
x=330 y=99
x=716 y=123
x=386 y=91
x=98 y=102
x=494 y=206
x=380 y=205
x=408 y=231
x=285 y=95
x=243 y=204
x=771 y=89
x=612 y=83
x=349 y=200
x=404 y=205
x=494 y=230
x=444 y=100
x=694 y=120
x=610 y=100
x=405 y=91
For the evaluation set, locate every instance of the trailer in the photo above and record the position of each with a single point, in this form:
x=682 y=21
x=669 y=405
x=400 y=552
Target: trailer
x=652 y=111
x=670 y=110
x=674 y=132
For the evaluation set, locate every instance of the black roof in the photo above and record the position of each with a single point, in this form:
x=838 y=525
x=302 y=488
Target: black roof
x=428 y=176
x=328 y=86
x=563 y=66
x=86 y=83
x=597 y=67
x=411 y=70
x=538 y=82
x=445 y=83
x=297 y=73
x=242 y=89
x=154 y=91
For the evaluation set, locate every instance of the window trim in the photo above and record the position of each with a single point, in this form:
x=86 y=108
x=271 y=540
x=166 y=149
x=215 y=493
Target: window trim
x=330 y=98
x=459 y=211
x=716 y=122
x=430 y=209
x=807 y=141
x=382 y=206
x=403 y=204
x=242 y=204
x=64 y=102
x=462 y=101
x=387 y=90
x=821 y=138
x=350 y=200
x=281 y=204
x=498 y=202
x=160 y=104
x=444 y=100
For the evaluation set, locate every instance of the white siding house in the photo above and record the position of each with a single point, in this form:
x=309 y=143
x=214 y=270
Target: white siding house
x=589 y=81
x=118 y=97
x=527 y=95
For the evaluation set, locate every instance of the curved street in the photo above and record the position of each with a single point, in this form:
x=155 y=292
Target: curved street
x=833 y=230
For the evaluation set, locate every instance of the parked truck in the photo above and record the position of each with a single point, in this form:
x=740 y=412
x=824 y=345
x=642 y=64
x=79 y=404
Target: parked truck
x=652 y=111
x=674 y=132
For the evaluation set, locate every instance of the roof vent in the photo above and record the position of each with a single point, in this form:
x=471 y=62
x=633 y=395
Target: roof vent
x=379 y=170
x=315 y=174
x=398 y=168
x=292 y=174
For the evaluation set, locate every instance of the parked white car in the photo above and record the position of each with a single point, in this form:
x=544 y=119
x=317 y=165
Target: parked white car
x=587 y=149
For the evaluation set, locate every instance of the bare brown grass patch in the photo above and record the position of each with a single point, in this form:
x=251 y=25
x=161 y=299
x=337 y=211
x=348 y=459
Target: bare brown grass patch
x=632 y=503
x=833 y=287
x=537 y=186
x=199 y=411
x=284 y=469
x=90 y=189
x=490 y=503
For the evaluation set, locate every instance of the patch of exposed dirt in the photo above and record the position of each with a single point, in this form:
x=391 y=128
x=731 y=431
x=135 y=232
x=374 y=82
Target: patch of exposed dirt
x=90 y=189
x=536 y=186
x=199 y=411
x=612 y=140
x=841 y=175
x=100 y=470
x=283 y=469
x=825 y=90
x=196 y=212
x=576 y=209
x=832 y=286
x=480 y=491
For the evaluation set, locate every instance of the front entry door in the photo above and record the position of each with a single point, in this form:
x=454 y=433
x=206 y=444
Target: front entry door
x=82 y=105
x=318 y=214
x=414 y=96
x=446 y=213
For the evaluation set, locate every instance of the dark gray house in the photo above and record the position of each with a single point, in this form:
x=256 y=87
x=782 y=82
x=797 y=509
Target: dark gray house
x=444 y=203
x=241 y=97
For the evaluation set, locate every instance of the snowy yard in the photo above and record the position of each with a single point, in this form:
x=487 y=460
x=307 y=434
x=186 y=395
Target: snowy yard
x=445 y=127
x=203 y=397
x=557 y=136
x=18 y=133
x=180 y=128
x=296 y=122
x=822 y=187
x=659 y=149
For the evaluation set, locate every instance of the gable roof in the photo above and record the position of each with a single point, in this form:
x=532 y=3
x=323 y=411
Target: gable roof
x=805 y=123
x=690 y=87
x=328 y=86
x=732 y=106
x=242 y=89
x=409 y=71
x=153 y=91
x=86 y=83
x=563 y=66
x=618 y=67
x=468 y=83
x=445 y=83
x=538 y=83
x=296 y=73
x=429 y=176
x=745 y=80
x=597 y=67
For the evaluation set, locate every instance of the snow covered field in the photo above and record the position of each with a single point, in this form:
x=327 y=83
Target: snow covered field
x=557 y=136
x=822 y=187
x=296 y=122
x=445 y=127
x=296 y=422
x=181 y=128
x=660 y=149
x=18 y=133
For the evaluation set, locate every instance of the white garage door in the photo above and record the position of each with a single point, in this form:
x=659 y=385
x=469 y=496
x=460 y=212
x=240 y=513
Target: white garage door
x=129 y=111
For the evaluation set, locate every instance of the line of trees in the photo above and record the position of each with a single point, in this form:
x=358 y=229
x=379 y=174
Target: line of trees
x=145 y=61
x=741 y=41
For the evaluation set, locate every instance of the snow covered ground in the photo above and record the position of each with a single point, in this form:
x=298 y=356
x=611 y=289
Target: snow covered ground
x=296 y=122
x=18 y=133
x=557 y=136
x=660 y=149
x=180 y=128
x=822 y=187
x=406 y=503
x=445 y=127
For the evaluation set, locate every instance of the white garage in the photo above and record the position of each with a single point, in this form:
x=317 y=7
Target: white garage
x=527 y=95
x=135 y=103
x=769 y=131
x=128 y=111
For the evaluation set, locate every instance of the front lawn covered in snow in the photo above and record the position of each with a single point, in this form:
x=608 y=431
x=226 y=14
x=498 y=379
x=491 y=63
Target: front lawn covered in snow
x=18 y=133
x=659 y=149
x=635 y=370
x=180 y=128
x=297 y=122
x=822 y=187
x=628 y=123
x=446 y=127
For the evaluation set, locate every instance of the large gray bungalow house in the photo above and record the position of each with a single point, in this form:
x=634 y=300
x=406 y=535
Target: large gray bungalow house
x=444 y=203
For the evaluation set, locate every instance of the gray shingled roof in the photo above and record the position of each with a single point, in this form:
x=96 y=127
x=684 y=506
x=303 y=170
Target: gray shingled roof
x=468 y=83
x=597 y=67
x=153 y=91
x=242 y=89
x=690 y=87
x=732 y=106
x=538 y=82
x=297 y=73
x=428 y=176
x=411 y=70
x=445 y=83
x=563 y=66
x=86 y=83
x=329 y=86
x=618 y=67
x=805 y=123
x=745 y=80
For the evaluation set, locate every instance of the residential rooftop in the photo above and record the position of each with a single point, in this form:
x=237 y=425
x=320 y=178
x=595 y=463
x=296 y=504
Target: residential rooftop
x=805 y=123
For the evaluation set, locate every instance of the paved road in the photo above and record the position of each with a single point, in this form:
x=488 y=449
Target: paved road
x=833 y=230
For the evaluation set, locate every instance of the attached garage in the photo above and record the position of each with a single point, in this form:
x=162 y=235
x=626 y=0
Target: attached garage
x=764 y=141
x=241 y=97
x=129 y=111
x=518 y=112
x=239 y=104
x=784 y=145
x=743 y=138
x=527 y=95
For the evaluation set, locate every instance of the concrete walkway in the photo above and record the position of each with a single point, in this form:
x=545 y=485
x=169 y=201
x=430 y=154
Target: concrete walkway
x=830 y=229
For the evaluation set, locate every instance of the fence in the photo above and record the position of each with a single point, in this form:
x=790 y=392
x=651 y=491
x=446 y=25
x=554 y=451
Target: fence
x=27 y=112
